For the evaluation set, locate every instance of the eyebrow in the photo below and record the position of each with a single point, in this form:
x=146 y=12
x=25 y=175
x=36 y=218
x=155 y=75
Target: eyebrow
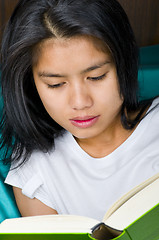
x=89 y=69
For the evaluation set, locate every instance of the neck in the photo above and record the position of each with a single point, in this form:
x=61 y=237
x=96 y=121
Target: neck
x=105 y=143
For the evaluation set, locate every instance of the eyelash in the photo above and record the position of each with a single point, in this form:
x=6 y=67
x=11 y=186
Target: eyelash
x=97 y=78
x=89 y=78
x=55 y=85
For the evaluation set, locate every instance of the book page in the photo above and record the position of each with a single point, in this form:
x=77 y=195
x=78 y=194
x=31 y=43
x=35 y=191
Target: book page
x=48 y=224
x=135 y=207
x=128 y=195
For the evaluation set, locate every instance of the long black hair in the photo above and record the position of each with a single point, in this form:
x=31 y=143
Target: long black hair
x=25 y=124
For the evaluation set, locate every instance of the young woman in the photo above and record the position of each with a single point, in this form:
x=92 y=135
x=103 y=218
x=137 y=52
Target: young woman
x=79 y=135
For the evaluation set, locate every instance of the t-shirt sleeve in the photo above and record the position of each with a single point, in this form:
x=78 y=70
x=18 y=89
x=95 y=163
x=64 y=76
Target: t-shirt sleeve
x=28 y=178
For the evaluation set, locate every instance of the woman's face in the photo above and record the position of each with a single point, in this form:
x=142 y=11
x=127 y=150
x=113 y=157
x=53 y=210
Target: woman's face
x=77 y=83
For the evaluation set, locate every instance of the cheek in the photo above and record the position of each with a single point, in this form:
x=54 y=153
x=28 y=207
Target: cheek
x=109 y=98
x=50 y=102
x=51 y=105
x=114 y=89
x=109 y=93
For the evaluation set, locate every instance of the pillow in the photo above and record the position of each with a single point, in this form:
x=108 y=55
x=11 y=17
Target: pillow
x=148 y=75
x=8 y=208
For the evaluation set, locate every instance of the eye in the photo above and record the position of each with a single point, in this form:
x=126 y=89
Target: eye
x=58 y=85
x=97 y=78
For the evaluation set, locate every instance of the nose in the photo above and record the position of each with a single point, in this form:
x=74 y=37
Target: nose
x=80 y=97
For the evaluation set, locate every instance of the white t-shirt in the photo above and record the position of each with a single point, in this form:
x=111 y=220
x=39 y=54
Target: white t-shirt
x=72 y=182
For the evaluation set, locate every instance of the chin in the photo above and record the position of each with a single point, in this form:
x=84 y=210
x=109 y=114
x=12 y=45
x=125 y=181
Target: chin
x=84 y=135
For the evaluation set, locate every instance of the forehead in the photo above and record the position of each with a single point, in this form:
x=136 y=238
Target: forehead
x=78 y=43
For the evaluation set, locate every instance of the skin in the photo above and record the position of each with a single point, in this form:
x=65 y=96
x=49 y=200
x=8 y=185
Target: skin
x=76 y=80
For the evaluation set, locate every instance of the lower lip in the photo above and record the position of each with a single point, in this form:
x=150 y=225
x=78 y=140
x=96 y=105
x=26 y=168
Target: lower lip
x=85 y=123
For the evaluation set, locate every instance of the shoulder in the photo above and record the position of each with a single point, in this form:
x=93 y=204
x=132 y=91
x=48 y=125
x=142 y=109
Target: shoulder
x=147 y=131
x=155 y=103
x=39 y=161
x=62 y=145
x=35 y=175
x=153 y=111
x=150 y=123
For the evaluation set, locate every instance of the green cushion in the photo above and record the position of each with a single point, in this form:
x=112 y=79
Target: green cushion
x=149 y=87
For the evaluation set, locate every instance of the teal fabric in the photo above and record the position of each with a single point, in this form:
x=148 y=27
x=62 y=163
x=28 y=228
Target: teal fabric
x=8 y=208
x=149 y=87
x=149 y=72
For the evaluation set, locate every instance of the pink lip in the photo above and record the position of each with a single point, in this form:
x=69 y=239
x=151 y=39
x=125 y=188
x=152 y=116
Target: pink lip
x=84 y=122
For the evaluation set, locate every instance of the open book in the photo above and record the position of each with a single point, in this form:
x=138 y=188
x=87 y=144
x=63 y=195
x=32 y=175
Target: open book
x=135 y=212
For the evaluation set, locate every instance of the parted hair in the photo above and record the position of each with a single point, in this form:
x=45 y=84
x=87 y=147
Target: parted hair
x=25 y=124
